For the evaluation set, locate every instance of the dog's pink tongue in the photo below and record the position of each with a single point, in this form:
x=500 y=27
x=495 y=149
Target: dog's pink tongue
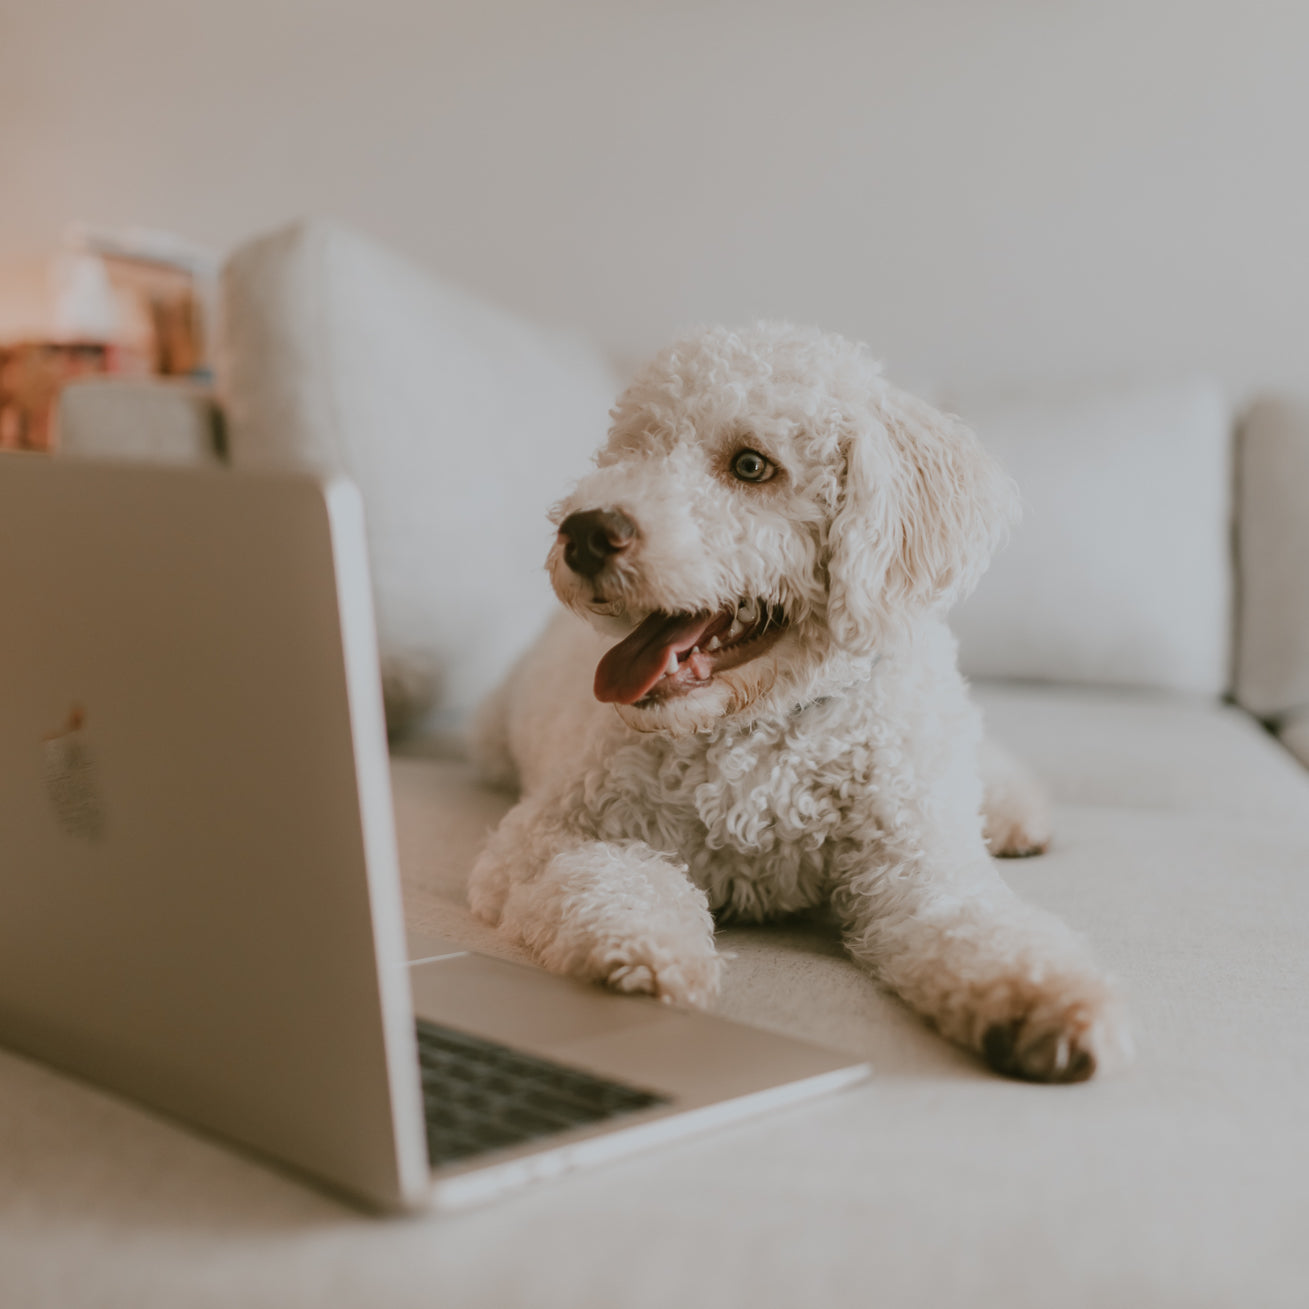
x=637 y=662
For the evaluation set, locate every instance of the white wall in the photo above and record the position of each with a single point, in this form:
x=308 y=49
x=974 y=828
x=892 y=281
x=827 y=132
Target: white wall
x=986 y=190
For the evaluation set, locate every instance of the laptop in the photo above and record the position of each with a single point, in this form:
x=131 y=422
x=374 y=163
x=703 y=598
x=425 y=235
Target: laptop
x=200 y=903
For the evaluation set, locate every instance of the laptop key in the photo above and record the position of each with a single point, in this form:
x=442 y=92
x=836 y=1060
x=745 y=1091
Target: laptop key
x=480 y=1096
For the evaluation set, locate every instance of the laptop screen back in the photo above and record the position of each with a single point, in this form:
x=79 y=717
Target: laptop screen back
x=199 y=898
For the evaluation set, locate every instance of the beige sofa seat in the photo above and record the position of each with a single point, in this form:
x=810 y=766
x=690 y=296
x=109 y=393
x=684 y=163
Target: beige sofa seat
x=1182 y=850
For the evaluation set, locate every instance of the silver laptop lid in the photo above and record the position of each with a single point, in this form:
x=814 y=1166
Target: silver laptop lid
x=199 y=893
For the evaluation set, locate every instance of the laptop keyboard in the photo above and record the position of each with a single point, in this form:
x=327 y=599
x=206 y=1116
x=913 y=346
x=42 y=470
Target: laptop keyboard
x=480 y=1096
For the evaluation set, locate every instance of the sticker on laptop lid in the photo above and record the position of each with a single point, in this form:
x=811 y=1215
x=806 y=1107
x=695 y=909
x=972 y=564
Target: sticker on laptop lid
x=71 y=779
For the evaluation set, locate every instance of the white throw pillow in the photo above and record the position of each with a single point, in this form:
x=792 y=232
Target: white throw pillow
x=460 y=424
x=1120 y=572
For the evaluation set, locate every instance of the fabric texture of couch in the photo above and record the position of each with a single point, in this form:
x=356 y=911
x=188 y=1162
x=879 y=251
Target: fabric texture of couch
x=1181 y=850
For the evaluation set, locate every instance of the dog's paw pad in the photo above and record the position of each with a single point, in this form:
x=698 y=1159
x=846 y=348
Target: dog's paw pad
x=1053 y=1042
x=1051 y=1057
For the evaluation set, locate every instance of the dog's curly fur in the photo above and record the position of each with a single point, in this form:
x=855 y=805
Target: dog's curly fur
x=842 y=765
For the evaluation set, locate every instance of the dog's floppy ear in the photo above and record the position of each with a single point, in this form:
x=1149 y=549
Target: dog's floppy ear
x=922 y=509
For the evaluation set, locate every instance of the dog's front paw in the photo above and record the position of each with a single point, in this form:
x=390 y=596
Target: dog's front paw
x=1066 y=1032
x=622 y=914
x=647 y=968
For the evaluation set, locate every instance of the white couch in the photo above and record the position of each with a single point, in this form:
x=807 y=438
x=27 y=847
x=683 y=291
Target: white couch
x=1182 y=850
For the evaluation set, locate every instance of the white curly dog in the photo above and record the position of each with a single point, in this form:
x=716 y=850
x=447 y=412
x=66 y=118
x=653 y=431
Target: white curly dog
x=762 y=710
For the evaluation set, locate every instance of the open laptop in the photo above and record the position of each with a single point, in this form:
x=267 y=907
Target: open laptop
x=199 y=891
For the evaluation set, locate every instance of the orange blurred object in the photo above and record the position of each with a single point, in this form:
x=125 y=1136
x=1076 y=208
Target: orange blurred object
x=131 y=302
x=32 y=373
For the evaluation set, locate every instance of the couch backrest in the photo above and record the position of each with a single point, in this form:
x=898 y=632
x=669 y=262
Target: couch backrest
x=1272 y=666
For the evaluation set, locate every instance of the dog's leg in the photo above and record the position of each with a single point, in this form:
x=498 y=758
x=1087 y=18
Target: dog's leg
x=988 y=971
x=1015 y=807
x=614 y=912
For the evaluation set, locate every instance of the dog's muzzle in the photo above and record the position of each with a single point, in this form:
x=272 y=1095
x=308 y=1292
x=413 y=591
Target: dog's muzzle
x=593 y=537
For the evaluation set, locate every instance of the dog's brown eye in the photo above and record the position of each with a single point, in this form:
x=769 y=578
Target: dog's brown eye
x=751 y=466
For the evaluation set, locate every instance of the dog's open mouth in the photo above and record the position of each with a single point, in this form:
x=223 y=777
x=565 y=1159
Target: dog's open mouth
x=671 y=654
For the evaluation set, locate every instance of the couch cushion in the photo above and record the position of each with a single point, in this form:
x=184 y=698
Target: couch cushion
x=459 y=422
x=1272 y=676
x=1120 y=571
x=1142 y=750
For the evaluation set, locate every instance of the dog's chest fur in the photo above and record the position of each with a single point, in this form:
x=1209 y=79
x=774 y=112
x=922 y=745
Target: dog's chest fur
x=758 y=815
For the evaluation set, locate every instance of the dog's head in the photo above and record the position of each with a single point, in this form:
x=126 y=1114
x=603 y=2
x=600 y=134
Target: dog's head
x=767 y=515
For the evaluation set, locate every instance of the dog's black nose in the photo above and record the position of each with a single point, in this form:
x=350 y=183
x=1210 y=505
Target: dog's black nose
x=591 y=537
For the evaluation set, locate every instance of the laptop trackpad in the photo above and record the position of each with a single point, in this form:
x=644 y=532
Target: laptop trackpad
x=521 y=1006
